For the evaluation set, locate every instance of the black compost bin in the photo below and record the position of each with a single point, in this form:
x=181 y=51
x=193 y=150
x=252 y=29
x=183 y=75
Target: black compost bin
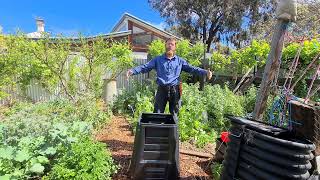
x=260 y=151
x=156 y=148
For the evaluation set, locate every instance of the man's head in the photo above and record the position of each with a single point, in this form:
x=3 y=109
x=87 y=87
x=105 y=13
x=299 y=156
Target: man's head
x=170 y=47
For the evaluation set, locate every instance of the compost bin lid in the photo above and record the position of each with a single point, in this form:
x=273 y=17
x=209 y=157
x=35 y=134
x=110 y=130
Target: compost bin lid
x=257 y=125
x=158 y=118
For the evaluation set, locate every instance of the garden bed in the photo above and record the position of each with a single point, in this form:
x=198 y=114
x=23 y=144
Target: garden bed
x=53 y=140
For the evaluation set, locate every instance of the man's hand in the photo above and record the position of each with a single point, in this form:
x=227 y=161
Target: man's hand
x=209 y=74
x=129 y=73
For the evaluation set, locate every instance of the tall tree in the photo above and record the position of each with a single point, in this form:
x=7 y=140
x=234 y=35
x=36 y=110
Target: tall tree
x=214 y=20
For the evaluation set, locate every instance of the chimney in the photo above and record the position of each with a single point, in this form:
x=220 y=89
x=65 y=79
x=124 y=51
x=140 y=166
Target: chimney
x=40 y=24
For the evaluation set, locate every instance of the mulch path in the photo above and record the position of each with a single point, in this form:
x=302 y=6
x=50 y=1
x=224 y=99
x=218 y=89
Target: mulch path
x=120 y=139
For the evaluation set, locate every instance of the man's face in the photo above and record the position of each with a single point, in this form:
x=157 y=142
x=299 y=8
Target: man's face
x=171 y=46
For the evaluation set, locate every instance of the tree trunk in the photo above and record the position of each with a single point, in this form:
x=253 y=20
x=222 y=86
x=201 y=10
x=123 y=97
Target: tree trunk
x=204 y=31
x=215 y=25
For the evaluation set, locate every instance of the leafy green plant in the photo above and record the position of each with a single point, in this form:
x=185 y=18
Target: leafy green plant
x=85 y=159
x=130 y=96
x=156 y=48
x=193 y=124
x=310 y=48
x=240 y=60
x=221 y=102
x=250 y=98
x=219 y=62
x=144 y=104
x=121 y=59
x=33 y=137
x=216 y=170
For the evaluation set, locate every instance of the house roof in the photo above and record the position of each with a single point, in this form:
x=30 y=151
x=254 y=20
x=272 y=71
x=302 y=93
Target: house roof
x=117 y=30
x=112 y=34
x=126 y=16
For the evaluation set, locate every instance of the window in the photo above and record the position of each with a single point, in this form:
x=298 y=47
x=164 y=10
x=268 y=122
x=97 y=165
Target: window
x=142 y=39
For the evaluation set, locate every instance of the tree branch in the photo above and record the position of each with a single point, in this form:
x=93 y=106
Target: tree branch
x=215 y=26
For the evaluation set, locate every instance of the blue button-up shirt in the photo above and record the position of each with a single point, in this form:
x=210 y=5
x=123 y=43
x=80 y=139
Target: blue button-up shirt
x=168 y=71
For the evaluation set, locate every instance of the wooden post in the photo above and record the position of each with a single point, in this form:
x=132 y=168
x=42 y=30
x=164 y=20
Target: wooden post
x=271 y=69
x=286 y=12
x=242 y=79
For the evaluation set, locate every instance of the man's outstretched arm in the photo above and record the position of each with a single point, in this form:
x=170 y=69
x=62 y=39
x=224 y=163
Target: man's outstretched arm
x=142 y=68
x=195 y=70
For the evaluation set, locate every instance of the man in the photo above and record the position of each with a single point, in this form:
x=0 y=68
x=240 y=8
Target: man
x=168 y=67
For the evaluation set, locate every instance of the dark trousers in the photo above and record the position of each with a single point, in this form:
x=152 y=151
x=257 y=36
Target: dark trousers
x=165 y=94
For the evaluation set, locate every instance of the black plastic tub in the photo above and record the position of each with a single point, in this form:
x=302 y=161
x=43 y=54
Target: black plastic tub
x=259 y=151
x=156 y=148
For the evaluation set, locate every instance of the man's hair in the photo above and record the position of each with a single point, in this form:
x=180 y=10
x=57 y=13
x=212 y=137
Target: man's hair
x=171 y=39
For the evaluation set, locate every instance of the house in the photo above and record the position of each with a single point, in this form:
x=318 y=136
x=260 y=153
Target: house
x=137 y=32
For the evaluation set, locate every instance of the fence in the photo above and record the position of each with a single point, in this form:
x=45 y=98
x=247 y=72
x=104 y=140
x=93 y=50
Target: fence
x=36 y=93
x=124 y=83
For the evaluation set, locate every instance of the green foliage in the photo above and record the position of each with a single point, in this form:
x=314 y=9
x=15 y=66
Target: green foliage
x=100 y=56
x=310 y=48
x=16 y=64
x=196 y=54
x=183 y=48
x=135 y=101
x=239 y=61
x=93 y=111
x=216 y=170
x=132 y=96
x=309 y=51
x=85 y=159
x=202 y=115
x=289 y=52
x=221 y=102
x=63 y=62
x=144 y=104
x=156 y=48
x=193 y=123
x=220 y=62
x=121 y=58
x=193 y=54
x=255 y=54
x=33 y=137
x=250 y=98
x=301 y=90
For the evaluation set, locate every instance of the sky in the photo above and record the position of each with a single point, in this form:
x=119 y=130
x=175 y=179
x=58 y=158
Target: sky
x=70 y=17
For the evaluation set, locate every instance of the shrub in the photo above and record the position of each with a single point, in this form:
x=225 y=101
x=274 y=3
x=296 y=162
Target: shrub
x=33 y=137
x=85 y=159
